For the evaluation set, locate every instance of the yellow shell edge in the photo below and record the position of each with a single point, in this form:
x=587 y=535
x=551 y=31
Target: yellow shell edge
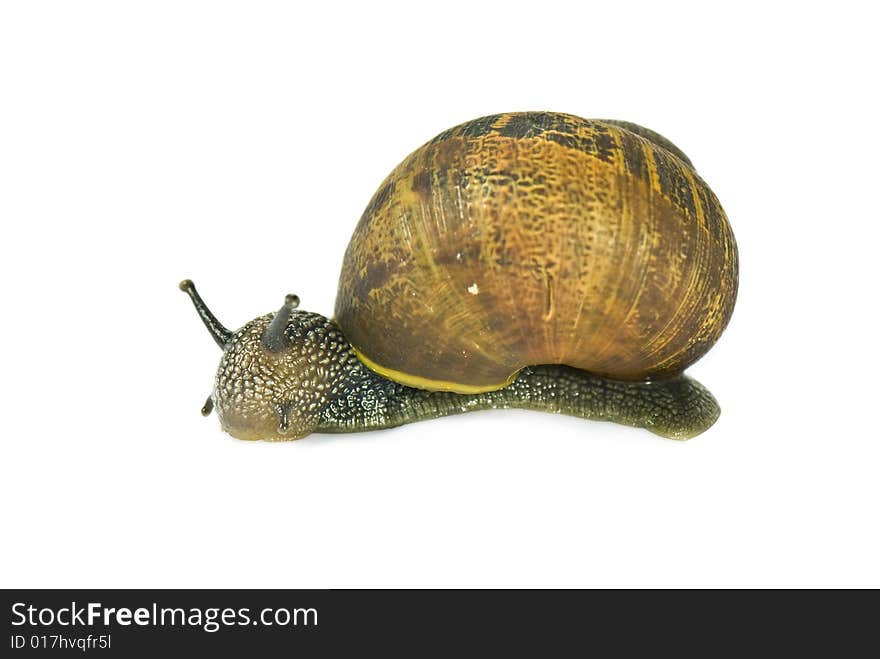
x=425 y=383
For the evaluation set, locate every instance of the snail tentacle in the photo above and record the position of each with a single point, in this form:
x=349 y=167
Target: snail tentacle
x=275 y=338
x=220 y=334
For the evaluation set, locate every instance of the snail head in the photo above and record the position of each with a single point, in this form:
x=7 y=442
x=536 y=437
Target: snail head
x=277 y=372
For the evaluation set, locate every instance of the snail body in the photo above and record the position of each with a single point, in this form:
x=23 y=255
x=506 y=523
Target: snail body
x=532 y=260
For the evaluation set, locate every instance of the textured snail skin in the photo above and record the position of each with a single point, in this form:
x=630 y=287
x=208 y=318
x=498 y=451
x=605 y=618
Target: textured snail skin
x=318 y=385
x=680 y=408
x=538 y=238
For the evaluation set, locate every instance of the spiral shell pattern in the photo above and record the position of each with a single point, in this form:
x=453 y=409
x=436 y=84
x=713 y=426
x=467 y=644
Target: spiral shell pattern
x=538 y=238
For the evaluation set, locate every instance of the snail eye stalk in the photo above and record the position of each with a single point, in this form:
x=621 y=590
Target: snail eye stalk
x=275 y=337
x=221 y=335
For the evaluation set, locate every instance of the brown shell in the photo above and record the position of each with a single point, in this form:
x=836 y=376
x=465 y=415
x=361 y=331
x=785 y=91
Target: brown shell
x=538 y=238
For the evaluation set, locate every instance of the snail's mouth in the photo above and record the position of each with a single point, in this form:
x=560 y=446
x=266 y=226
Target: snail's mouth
x=265 y=427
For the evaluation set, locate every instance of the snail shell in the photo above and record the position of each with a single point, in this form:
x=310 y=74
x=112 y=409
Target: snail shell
x=538 y=238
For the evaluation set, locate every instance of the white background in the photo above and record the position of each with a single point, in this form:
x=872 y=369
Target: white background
x=238 y=143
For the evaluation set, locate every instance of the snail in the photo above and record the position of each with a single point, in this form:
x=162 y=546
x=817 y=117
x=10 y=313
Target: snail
x=529 y=260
